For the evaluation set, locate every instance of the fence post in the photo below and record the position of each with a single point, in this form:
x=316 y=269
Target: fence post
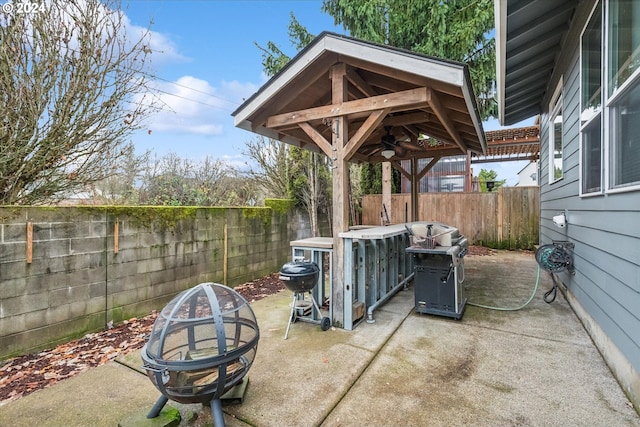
x=500 y=214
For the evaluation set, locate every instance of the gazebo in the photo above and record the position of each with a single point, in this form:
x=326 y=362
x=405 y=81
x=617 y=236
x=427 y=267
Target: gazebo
x=356 y=102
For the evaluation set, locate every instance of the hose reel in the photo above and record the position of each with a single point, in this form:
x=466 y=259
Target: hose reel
x=555 y=258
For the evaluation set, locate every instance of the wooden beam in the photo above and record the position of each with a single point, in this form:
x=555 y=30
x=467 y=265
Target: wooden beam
x=313 y=73
x=402 y=80
x=29 y=254
x=396 y=164
x=317 y=137
x=116 y=237
x=427 y=167
x=354 y=78
x=407 y=119
x=398 y=101
x=365 y=130
x=434 y=103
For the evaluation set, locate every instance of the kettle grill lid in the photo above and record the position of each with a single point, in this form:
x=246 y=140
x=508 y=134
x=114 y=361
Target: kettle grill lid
x=299 y=268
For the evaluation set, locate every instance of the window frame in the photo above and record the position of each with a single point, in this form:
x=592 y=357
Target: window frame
x=556 y=106
x=597 y=119
x=610 y=102
x=610 y=99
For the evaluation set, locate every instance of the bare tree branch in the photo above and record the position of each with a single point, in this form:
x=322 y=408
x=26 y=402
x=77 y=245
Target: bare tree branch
x=72 y=90
x=270 y=165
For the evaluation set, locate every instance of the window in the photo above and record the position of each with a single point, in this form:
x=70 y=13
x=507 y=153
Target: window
x=623 y=45
x=625 y=137
x=623 y=41
x=610 y=98
x=555 y=137
x=591 y=104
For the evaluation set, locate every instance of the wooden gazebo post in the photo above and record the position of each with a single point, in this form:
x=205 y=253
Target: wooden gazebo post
x=339 y=138
x=386 y=193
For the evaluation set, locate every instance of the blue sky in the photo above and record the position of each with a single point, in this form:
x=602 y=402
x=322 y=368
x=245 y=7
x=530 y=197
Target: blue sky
x=206 y=63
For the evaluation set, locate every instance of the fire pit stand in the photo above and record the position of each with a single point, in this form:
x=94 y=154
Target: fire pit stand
x=201 y=346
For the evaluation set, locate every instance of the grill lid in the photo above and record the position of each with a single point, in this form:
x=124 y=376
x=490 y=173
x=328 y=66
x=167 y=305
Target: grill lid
x=300 y=276
x=299 y=268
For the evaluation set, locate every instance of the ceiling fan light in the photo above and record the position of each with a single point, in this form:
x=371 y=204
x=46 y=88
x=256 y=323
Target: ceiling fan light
x=388 y=153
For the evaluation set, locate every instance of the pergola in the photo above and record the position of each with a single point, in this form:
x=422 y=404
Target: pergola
x=356 y=102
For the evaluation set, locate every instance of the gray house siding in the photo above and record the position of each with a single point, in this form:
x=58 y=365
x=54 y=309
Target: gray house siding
x=604 y=228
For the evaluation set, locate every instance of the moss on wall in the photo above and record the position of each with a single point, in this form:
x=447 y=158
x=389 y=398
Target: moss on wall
x=164 y=216
x=281 y=206
x=264 y=214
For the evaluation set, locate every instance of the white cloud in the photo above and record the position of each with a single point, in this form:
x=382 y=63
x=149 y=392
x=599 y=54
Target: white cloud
x=187 y=106
x=191 y=105
x=235 y=90
x=163 y=49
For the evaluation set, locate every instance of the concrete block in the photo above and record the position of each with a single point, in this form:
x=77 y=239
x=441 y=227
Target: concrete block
x=97 y=228
x=41 y=231
x=50 y=265
x=13 y=287
x=163 y=276
x=24 y=304
x=50 y=248
x=47 y=282
x=125 y=241
x=87 y=275
x=13 y=324
x=155 y=264
x=97 y=290
x=120 y=270
x=53 y=315
x=13 y=251
x=77 y=292
x=84 y=244
x=168 y=417
x=64 y=230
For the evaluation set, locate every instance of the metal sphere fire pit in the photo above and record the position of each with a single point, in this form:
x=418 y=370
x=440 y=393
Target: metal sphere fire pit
x=201 y=345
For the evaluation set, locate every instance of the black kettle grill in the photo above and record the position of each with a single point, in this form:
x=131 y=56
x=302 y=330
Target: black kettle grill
x=301 y=277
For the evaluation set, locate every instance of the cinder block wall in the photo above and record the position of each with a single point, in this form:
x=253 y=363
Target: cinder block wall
x=75 y=273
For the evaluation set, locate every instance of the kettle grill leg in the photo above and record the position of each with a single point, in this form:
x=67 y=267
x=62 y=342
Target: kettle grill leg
x=293 y=307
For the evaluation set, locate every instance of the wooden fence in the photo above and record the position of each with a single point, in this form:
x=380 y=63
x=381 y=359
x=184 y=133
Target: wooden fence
x=508 y=218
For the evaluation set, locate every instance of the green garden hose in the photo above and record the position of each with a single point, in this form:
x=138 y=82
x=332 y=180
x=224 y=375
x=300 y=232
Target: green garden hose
x=535 y=289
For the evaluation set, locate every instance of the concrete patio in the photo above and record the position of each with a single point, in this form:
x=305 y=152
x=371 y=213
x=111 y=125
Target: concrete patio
x=532 y=367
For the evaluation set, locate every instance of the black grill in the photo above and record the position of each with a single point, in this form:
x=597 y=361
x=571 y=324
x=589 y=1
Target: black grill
x=301 y=277
x=438 y=262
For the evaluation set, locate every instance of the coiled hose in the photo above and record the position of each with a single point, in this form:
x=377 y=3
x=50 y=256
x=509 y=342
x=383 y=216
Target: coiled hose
x=533 y=294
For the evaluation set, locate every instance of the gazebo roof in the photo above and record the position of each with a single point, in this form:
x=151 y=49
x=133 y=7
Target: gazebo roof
x=426 y=103
x=511 y=144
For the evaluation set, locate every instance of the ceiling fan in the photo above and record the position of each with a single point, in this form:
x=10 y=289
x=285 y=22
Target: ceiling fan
x=390 y=145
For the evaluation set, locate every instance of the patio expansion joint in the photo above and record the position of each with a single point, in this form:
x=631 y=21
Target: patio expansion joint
x=128 y=366
x=366 y=366
x=536 y=337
